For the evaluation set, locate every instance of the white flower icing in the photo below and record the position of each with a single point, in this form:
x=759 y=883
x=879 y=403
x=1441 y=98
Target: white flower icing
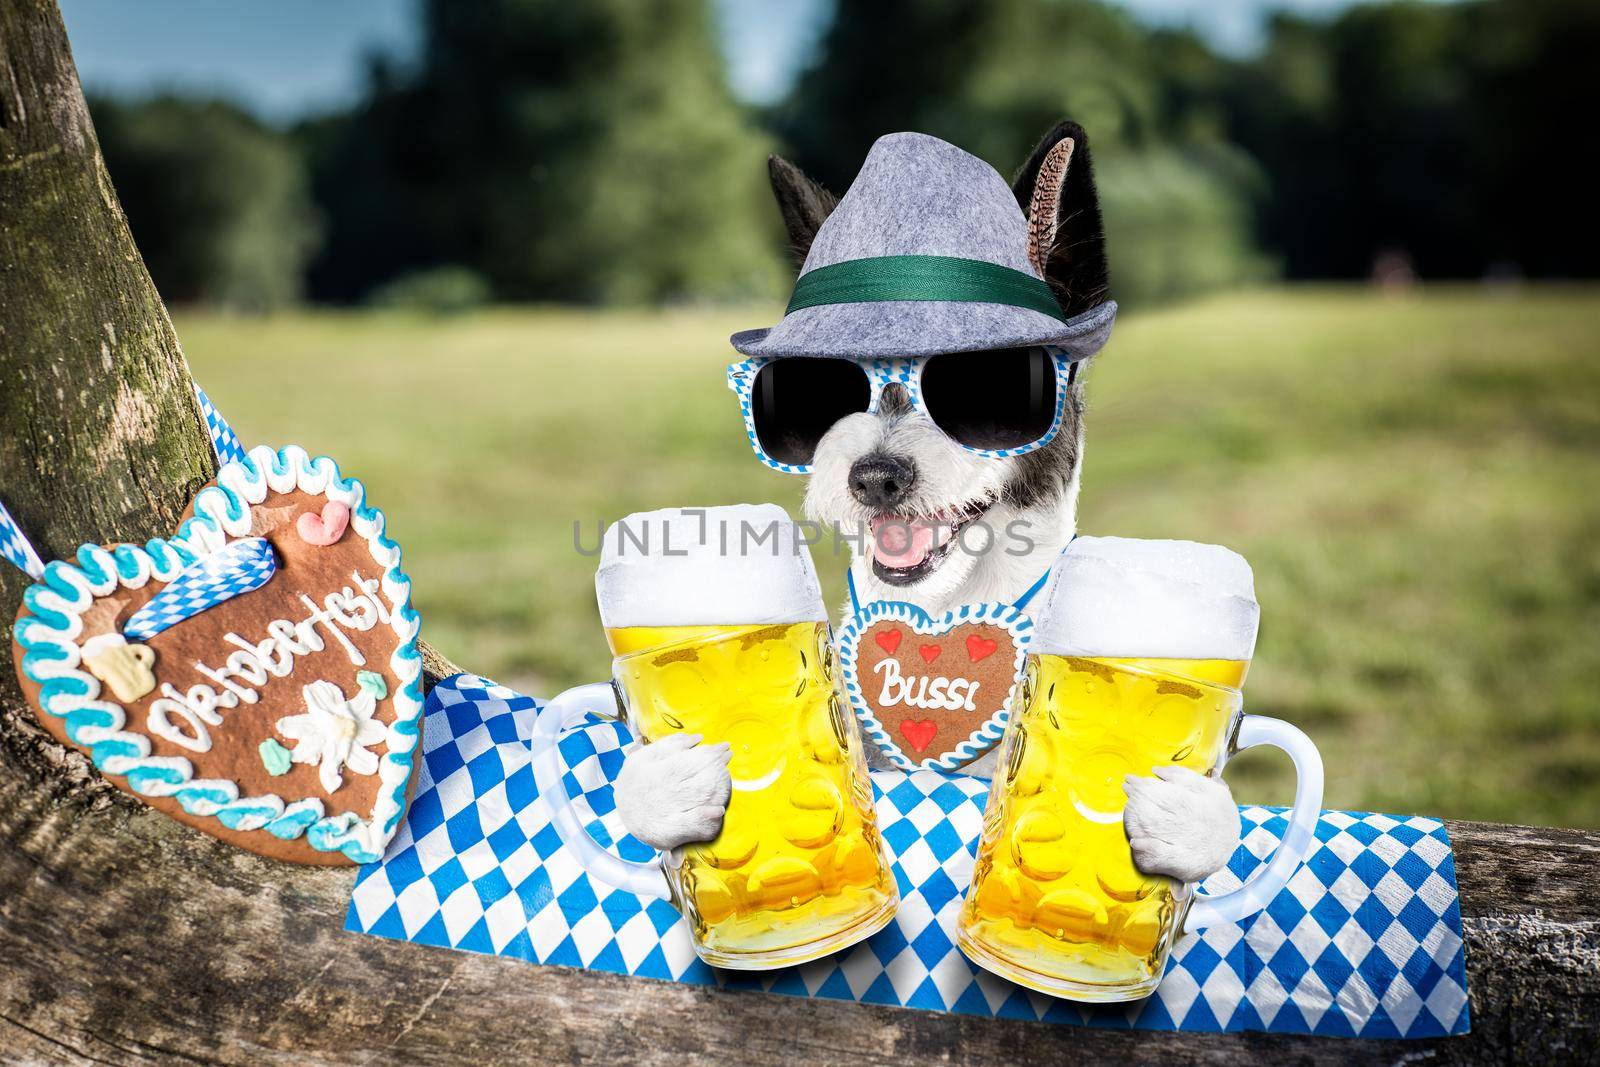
x=334 y=732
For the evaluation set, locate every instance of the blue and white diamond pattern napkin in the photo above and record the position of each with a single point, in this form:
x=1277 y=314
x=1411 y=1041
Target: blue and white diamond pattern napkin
x=1365 y=941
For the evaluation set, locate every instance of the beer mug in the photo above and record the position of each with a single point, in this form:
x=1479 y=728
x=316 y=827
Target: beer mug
x=1137 y=662
x=126 y=668
x=717 y=626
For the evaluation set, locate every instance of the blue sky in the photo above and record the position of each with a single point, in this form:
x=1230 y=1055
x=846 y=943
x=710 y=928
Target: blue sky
x=285 y=58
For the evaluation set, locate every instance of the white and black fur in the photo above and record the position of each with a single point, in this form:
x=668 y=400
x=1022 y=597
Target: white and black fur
x=894 y=461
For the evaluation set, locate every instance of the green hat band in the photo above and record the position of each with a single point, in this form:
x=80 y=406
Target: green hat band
x=946 y=278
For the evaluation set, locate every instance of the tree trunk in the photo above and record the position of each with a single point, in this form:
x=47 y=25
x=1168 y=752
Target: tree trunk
x=126 y=937
x=103 y=440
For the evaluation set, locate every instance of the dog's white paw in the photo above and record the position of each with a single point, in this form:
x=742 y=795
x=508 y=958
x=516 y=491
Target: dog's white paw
x=1179 y=823
x=674 y=792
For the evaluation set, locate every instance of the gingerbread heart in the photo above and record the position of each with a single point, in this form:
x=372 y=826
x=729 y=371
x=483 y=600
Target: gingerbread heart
x=258 y=684
x=933 y=693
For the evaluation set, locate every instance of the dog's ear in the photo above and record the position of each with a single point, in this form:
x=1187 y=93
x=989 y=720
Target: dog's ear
x=1055 y=188
x=803 y=203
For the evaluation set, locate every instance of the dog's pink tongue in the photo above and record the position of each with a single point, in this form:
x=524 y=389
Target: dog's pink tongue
x=901 y=543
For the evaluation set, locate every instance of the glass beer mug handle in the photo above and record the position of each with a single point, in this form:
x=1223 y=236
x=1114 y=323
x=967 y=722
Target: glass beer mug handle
x=1296 y=845
x=563 y=713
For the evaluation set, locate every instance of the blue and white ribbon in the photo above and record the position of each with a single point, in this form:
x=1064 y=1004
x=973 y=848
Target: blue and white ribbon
x=205 y=583
x=223 y=439
x=15 y=546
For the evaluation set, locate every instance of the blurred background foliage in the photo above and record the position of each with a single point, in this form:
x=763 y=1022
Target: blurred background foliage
x=569 y=152
x=593 y=153
x=221 y=205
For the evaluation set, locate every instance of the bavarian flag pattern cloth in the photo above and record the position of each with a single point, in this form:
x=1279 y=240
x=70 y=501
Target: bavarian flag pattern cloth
x=1364 y=942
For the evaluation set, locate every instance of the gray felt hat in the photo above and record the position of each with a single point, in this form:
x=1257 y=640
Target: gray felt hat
x=926 y=253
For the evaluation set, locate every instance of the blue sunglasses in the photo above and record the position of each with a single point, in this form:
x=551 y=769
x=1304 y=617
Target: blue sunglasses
x=1000 y=403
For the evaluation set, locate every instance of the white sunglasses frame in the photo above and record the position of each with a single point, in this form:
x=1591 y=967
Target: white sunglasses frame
x=882 y=373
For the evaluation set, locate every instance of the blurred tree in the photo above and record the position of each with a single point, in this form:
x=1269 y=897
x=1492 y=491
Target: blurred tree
x=1178 y=222
x=1430 y=130
x=442 y=290
x=219 y=204
x=1436 y=130
x=1361 y=123
x=991 y=77
x=583 y=152
x=592 y=153
x=1532 y=65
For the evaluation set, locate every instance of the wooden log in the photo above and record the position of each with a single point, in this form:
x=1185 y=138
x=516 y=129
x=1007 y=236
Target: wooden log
x=127 y=938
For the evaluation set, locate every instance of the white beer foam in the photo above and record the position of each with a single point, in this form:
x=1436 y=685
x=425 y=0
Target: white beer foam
x=1121 y=597
x=738 y=565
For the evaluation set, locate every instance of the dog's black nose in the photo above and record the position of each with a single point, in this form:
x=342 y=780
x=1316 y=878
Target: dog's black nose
x=881 y=481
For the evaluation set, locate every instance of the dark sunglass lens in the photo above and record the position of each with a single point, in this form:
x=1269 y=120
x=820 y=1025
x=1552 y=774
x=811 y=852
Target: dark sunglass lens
x=797 y=400
x=992 y=400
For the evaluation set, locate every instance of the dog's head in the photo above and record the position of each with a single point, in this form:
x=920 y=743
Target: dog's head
x=931 y=511
x=942 y=522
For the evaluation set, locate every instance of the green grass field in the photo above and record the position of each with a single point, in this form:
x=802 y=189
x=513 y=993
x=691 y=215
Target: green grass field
x=1414 y=480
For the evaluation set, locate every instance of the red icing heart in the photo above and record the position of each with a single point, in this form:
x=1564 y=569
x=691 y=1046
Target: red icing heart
x=980 y=647
x=325 y=529
x=888 y=640
x=929 y=652
x=920 y=734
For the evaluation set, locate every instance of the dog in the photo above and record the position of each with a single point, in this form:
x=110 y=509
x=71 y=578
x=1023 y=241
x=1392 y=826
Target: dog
x=931 y=521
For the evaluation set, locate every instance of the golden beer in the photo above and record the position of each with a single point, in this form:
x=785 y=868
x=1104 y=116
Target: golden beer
x=1056 y=903
x=798 y=870
x=1137 y=661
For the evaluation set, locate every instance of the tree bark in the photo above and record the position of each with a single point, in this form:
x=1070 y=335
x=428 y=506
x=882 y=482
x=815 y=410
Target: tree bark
x=126 y=937
x=103 y=440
